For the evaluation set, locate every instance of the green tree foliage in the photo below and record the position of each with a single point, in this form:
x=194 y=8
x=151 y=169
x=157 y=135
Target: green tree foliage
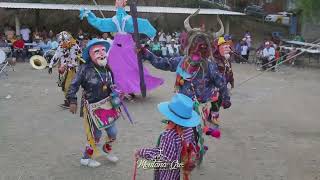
x=310 y=10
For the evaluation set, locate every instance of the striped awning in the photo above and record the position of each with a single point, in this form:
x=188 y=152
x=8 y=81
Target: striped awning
x=142 y=9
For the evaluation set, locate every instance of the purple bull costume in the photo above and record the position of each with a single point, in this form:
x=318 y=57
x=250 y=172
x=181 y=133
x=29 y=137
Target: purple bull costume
x=122 y=56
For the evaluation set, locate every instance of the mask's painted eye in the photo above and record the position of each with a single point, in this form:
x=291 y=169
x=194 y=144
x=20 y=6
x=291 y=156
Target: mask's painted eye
x=203 y=46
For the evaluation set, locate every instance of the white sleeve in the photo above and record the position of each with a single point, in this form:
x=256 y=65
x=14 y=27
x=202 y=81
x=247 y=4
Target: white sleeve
x=265 y=52
x=56 y=57
x=74 y=52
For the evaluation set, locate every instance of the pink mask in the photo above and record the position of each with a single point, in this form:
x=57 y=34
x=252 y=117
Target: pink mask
x=98 y=55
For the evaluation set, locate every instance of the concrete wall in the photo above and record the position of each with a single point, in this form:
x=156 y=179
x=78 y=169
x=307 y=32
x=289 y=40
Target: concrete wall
x=311 y=31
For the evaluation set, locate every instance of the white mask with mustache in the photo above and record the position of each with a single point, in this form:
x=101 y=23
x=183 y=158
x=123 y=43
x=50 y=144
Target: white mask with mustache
x=227 y=56
x=102 y=62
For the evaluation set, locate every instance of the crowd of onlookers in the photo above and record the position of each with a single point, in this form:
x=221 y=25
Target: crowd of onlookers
x=164 y=44
x=22 y=45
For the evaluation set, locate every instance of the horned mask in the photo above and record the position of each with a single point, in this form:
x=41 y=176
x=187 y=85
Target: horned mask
x=198 y=42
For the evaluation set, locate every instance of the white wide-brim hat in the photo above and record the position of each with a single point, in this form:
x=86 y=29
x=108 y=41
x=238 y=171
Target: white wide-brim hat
x=38 y=62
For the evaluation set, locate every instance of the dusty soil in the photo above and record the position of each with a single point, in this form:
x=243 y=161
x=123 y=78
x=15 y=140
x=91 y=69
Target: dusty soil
x=270 y=133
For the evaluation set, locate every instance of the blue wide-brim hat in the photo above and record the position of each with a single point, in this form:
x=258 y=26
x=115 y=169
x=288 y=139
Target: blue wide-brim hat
x=180 y=111
x=95 y=41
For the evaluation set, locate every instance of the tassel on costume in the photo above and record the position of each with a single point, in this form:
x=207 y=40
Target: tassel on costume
x=89 y=135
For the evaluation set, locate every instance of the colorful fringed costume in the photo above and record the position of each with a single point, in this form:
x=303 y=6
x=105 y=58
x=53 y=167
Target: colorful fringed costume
x=122 y=57
x=101 y=102
x=198 y=76
x=178 y=143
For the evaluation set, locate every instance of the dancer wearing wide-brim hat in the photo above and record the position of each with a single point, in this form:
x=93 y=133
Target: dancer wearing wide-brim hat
x=101 y=102
x=177 y=144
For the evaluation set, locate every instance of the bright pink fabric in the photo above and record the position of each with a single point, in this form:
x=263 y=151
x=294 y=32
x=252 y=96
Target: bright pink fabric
x=104 y=114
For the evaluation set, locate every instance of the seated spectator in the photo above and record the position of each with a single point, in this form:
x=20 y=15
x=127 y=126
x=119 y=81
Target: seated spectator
x=107 y=37
x=45 y=45
x=156 y=48
x=3 y=42
x=80 y=35
x=35 y=35
x=10 y=35
x=18 y=48
x=54 y=44
x=268 y=56
x=19 y=43
x=51 y=34
x=44 y=33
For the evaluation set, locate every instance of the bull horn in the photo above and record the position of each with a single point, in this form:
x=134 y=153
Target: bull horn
x=187 y=22
x=221 y=31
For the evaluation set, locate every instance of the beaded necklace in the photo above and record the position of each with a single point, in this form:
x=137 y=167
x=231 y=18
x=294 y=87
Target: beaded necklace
x=104 y=81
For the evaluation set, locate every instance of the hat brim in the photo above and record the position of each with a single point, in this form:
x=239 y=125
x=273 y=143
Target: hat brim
x=41 y=59
x=192 y=122
x=85 y=53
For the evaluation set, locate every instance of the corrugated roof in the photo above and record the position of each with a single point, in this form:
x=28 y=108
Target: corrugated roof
x=143 y=9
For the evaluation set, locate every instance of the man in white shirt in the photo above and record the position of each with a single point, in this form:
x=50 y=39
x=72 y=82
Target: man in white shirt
x=169 y=37
x=244 y=52
x=162 y=38
x=173 y=51
x=268 y=55
x=25 y=32
x=164 y=50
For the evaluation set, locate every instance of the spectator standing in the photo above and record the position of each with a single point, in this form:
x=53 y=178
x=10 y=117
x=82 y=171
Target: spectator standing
x=25 y=33
x=164 y=50
x=178 y=33
x=168 y=38
x=172 y=50
x=244 y=52
x=248 y=41
x=162 y=37
x=177 y=46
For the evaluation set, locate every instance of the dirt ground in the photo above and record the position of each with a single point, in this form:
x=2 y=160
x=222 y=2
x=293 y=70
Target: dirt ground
x=271 y=132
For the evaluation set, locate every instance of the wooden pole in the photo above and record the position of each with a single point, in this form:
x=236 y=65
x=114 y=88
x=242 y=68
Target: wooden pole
x=134 y=14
